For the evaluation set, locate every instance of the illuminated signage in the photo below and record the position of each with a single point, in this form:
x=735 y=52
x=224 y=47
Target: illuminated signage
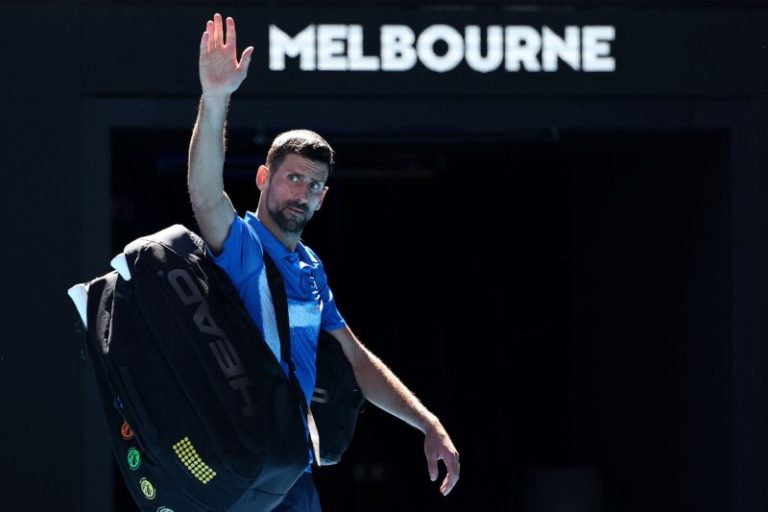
x=441 y=48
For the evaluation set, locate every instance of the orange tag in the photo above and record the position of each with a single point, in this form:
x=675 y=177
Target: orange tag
x=126 y=432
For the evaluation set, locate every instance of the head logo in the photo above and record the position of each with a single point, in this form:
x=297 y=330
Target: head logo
x=125 y=431
x=222 y=349
x=163 y=509
x=134 y=459
x=147 y=489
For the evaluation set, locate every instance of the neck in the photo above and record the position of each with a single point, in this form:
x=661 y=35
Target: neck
x=288 y=239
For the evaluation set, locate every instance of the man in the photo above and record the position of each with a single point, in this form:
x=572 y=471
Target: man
x=292 y=187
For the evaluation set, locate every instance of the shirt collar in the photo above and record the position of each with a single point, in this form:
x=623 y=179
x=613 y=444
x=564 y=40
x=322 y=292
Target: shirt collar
x=275 y=248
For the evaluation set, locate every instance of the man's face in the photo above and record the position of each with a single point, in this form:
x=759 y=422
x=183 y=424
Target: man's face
x=295 y=191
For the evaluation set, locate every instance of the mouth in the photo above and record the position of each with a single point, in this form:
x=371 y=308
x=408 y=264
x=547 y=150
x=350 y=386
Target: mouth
x=296 y=210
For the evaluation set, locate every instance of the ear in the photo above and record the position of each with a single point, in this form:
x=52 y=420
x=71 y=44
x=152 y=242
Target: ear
x=262 y=177
x=322 y=198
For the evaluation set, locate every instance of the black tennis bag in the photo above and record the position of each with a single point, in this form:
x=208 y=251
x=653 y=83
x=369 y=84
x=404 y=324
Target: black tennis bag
x=336 y=401
x=199 y=412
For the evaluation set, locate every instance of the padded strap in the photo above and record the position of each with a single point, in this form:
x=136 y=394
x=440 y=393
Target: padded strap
x=280 y=303
x=180 y=240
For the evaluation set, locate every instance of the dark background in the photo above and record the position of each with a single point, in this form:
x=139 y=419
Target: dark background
x=567 y=269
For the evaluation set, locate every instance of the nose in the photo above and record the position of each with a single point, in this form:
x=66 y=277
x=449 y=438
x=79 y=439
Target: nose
x=302 y=192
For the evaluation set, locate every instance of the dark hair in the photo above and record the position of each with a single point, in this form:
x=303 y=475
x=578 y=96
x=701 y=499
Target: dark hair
x=302 y=142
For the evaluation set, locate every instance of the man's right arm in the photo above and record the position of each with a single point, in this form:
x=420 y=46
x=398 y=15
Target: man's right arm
x=220 y=75
x=212 y=207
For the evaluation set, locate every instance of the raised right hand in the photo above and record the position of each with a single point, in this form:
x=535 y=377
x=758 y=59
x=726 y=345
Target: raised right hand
x=220 y=72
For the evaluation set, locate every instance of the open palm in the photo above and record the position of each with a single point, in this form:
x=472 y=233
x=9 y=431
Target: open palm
x=220 y=71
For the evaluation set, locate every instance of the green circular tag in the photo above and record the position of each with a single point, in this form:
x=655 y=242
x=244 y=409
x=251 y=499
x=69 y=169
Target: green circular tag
x=134 y=458
x=147 y=489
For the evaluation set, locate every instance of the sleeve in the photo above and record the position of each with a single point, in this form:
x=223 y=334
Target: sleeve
x=241 y=253
x=331 y=318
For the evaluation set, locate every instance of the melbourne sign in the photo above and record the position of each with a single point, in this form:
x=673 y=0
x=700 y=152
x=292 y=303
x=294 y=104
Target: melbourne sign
x=442 y=48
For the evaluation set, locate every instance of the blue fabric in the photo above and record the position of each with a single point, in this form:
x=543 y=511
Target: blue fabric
x=310 y=300
x=302 y=497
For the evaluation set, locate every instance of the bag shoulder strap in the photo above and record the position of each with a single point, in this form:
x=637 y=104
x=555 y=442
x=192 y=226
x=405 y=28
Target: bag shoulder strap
x=178 y=238
x=280 y=303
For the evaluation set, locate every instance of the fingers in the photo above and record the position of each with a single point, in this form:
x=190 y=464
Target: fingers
x=245 y=60
x=432 y=466
x=452 y=474
x=451 y=461
x=231 y=34
x=218 y=31
x=215 y=34
x=209 y=35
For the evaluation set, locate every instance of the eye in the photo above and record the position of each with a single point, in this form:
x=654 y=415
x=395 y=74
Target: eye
x=316 y=186
x=293 y=178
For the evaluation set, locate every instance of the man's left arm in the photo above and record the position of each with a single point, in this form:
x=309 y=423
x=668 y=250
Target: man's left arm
x=381 y=387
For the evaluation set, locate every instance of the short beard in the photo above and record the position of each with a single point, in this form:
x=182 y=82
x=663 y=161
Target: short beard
x=290 y=224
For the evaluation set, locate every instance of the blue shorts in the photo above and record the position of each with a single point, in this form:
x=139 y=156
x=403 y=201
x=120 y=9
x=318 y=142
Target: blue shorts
x=302 y=497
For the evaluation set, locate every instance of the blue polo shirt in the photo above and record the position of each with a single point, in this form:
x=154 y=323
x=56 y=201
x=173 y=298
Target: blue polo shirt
x=310 y=300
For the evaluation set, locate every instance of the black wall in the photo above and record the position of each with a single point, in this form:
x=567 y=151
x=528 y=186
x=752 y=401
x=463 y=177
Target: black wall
x=623 y=360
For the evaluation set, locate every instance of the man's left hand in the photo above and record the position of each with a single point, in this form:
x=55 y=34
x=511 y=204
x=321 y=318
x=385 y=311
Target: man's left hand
x=438 y=446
